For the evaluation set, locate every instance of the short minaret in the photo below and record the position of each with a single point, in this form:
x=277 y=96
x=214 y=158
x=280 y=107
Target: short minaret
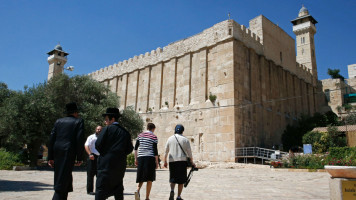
x=57 y=58
x=304 y=29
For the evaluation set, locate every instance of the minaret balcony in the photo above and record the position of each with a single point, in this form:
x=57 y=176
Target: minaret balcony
x=304 y=26
x=56 y=57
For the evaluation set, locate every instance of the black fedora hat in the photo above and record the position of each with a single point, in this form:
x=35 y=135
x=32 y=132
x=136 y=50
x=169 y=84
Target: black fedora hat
x=71 y=108
x=112 y=112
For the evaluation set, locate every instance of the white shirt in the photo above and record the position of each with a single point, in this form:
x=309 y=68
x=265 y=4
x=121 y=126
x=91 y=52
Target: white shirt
x=174 y=151
x=91 y=144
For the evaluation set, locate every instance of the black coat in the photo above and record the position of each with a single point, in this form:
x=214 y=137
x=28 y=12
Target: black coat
x=66 y=145
x=114 y=144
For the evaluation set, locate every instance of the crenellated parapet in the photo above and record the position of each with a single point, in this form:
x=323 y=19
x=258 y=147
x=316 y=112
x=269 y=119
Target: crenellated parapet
x=304 y=73
x=249 y=38
x=222 y=31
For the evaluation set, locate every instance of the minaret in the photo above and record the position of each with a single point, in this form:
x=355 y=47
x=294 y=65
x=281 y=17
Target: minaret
x=57 y=58
x=304 y=29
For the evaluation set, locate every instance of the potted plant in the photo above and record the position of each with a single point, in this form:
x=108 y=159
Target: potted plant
x=340 y=168
x=341 y=162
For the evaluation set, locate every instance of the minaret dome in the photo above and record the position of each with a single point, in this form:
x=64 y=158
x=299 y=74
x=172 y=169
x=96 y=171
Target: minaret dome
x=303 y=11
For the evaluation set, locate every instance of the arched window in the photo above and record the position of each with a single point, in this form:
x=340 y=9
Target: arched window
x=302 y=40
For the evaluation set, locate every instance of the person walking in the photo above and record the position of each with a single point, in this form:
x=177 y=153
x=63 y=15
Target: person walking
x=113 y=144
x=146 y=159
x=65 y=147
x=92 y=159
x=177 y=149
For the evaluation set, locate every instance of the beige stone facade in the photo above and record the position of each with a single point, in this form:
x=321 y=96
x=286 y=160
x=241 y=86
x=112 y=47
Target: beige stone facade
x=260 y=88
x=351 y=71
x=335 y=91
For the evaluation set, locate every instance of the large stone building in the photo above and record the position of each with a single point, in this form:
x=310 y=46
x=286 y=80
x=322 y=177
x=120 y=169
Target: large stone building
x=260 y=83
x=341 y=93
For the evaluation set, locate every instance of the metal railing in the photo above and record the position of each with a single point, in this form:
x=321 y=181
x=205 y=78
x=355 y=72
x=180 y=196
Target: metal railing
x=260 y=153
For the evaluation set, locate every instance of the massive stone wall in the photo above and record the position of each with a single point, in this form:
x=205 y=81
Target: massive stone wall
x=255 y=97
x=267 y=98
x=335 y=89
x=280 y=45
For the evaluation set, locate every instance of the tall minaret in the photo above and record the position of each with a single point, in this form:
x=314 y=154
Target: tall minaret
x=57 y=58
x=304 y=29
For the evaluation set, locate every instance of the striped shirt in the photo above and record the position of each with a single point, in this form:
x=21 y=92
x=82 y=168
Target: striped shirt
x=146 y=144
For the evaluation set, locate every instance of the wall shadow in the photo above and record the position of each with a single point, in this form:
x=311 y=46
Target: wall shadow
x=7 y=186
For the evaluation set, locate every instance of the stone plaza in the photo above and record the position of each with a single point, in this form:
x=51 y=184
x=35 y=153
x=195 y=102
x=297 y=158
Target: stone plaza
x=242 y=181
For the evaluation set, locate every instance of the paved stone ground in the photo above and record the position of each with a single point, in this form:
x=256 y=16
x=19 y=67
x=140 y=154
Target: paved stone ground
x=241 y=183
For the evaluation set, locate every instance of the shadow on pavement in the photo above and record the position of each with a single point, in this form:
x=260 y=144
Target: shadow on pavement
x=131 y=169
x=6 y=185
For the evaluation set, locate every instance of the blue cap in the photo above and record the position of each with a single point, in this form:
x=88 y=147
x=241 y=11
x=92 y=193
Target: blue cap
x=179 y=129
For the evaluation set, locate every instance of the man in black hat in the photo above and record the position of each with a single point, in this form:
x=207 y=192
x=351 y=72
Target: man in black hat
x=65 y=147
x=113 y=144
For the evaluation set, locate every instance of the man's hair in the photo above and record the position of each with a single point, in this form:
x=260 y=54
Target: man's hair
x=150 y=126
x=113 y=116
x=71 y=113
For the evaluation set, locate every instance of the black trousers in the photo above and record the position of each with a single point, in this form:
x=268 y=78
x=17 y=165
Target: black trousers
x=60 y=195
x=118 y=194
x=91 y=172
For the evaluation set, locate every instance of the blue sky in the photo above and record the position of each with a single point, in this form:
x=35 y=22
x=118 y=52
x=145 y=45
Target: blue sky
x=100 y=33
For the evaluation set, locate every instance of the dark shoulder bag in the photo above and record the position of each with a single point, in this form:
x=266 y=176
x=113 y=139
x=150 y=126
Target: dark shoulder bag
x=189 y=163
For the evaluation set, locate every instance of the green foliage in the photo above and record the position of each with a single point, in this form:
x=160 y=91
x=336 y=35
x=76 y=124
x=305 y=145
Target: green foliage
x=342 y=152
x=347 y=107
x=334 y=138
x=341 y=162
x=350 y=119
x=342 y=156
x=91 y=96
x=28 y=116
x=293 y=135
x=315 y=139
x=5 y=93
x=131 y=121
x=130 y=160
x=339 y=109
x=212 y=97
x=321 y=142
x=308 y=161
x=335 y=73
x=8 y=160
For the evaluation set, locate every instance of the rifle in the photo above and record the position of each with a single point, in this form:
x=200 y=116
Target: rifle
x=190 y=175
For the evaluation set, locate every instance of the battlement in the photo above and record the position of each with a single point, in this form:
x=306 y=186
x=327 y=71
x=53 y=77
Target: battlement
x=219 y=32
x=209 y=37
x=249 y=38
x=304 y=73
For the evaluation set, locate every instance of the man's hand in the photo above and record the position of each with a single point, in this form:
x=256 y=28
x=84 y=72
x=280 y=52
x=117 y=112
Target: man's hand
x=51 y=163
x=157 y=165
x=91 y=157
x=136 y=162
x=78 y=163
x=165 y=164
